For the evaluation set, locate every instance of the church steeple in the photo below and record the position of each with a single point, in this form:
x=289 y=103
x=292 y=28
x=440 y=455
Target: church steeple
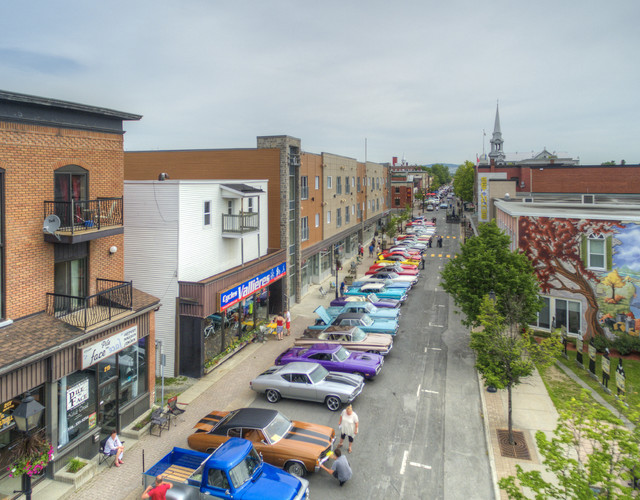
x=497 y=154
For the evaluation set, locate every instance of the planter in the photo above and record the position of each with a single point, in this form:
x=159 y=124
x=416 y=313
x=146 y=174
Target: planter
x=78 y=478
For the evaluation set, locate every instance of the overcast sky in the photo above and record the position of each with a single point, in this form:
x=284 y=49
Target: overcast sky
x=416 y=78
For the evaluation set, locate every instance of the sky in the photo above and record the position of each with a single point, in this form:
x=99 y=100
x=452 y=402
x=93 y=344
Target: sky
x=417 y=79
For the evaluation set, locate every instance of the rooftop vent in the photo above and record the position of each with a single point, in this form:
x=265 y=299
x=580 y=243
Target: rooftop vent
x=527 y=200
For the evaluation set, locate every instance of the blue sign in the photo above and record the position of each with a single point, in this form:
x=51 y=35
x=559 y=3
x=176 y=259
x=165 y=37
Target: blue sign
x=244 y=290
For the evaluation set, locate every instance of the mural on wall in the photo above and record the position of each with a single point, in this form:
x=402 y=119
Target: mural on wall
x=558 y=251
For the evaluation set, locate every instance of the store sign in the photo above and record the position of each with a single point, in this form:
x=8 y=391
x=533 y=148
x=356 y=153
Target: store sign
x=244 y=290
x=6 y=417
x=77 y=394
x=90 y=355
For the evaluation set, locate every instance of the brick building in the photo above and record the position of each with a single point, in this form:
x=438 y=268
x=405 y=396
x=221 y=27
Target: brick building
x=69 y=322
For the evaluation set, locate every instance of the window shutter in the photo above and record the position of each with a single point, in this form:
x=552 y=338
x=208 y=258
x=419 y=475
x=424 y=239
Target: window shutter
x=609 y=246
x=584 y=248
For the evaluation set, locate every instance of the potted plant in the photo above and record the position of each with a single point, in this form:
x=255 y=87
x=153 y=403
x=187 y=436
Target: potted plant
x=33 y=452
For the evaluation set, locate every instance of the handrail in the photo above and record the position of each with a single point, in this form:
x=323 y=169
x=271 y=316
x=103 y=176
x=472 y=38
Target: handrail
x=82 y=215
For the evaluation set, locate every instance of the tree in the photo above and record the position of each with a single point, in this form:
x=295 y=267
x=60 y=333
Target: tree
x=504 y=356
x=441 y=174
x=555 y=248
x=590 y=448
x=614 y=281
x=486 y=263
x=463 y=181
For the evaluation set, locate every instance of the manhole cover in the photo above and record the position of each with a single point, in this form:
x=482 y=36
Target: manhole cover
x=517 y=450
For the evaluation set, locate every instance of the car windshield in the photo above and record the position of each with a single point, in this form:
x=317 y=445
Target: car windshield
x=366 y=320
x=368 y=307
x=372 y=309
x=277 y=428
x=358 y=335
x=342 y=354
x=242 y=472
x=393 y=275
x=373 y=297
x=318 y=374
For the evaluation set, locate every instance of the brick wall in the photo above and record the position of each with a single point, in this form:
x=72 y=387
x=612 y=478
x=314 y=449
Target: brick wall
x=29 y=155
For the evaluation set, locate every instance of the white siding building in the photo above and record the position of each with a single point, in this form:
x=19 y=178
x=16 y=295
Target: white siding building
x=189 y=230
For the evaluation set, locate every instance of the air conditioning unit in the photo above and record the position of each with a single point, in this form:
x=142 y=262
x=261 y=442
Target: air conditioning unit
x=588 y=199
x=527 y=200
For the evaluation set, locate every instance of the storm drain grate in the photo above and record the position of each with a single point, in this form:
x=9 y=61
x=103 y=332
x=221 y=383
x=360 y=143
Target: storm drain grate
x=517 y=450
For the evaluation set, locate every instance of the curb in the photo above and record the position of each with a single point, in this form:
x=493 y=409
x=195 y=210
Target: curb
x=487 y=437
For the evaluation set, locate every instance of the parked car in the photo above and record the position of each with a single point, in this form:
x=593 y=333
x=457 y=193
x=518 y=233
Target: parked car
x=353 y=338
x=378 y=265
x=297 y=447
x=235 y=470
x=380 y=290
x=403 y=285
x=372 y=298
x=393 y=259
x=335 y=358
x=362 y=320
x=308 y=382
x=393 y=268
x=393 y=276
x=365 y=307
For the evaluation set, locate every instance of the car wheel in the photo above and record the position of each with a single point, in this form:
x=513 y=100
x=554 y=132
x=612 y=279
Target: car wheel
x=273 y=396
x=333 y=403
x=295 y=468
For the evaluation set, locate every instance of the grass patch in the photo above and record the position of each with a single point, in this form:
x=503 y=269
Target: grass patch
x=143 y=422
x=171 y=380
x=75 y=464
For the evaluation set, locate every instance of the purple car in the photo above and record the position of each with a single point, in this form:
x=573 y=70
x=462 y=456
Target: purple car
x=372 y=297
x=335 y=358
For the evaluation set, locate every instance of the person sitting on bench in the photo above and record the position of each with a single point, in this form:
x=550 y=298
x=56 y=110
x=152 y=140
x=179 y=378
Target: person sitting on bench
x=114 y=446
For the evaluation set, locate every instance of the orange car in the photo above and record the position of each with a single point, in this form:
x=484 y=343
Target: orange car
x=297 y=447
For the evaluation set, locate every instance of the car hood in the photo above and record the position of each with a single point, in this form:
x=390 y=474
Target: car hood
x=342 y=382
x=364 y=359
x=314 y=439
x=272 y=483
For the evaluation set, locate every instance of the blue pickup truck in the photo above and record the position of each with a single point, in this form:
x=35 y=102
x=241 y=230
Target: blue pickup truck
x=235 y=470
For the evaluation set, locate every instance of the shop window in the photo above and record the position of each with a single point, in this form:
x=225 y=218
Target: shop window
x=77 y=399
x=132 y=371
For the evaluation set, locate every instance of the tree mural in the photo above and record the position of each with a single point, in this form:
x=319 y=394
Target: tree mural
x=554 y=247
x=613 y=280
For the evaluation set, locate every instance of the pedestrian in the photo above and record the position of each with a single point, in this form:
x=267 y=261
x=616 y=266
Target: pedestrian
x=341 y=469
x=348 y=425
x=157 y=491
x=378 y=249
x=429 y=242
x=361 y=250
x=440 y=241
x=371 y=248
x=279 y=321
x=287 y=317
x=342 y=287
x=113 y=446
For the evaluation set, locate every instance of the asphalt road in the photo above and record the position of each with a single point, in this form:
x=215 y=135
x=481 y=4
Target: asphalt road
x=421 y=430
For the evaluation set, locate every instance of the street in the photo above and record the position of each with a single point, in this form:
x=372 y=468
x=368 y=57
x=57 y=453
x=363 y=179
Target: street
x=421 y=431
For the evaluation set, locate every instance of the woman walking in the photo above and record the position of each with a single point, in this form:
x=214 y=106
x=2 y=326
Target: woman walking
x=287 y=317
x=348 y=426
x=279 y=321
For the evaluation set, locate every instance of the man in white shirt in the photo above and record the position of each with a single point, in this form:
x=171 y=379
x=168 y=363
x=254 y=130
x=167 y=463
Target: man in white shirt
x=114 y=446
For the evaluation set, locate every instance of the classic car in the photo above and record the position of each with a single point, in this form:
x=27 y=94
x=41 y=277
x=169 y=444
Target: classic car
x=308 y=382
x=380 y=290
x=415 y=254
x=394 y=269
x=353 y=338
x=364 y=307
x=372 y=298
x=335 y=358
x=388 y=283
x=393 y=276
x=364 y=321
x=393 y=259
x=378 y=265
x=294 y=446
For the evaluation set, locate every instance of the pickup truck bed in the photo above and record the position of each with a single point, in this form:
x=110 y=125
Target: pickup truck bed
x=177 y=466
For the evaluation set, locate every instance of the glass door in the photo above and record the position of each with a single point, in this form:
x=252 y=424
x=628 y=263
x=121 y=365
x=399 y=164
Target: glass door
x=108 y=395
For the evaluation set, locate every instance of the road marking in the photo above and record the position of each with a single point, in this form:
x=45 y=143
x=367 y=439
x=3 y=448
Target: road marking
x=430 y=392
x=418 y=391
x=416 y=464
x=435 y=348
x=404 y=462
x=437 y=326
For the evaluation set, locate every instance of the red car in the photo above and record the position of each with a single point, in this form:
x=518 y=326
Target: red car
x=396 y=269
x=378 y=266
x=415 y=255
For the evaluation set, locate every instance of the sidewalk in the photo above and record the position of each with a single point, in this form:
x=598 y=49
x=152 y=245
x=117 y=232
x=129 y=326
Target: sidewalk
x=226 y=388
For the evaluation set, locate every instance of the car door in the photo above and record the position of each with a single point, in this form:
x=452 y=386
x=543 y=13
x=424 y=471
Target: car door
x=300 y=387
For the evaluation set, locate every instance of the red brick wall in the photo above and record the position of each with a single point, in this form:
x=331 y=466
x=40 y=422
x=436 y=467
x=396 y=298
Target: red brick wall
x=29 y=155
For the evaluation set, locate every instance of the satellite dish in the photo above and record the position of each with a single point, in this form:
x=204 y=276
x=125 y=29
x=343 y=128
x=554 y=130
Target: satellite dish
x=51 y=225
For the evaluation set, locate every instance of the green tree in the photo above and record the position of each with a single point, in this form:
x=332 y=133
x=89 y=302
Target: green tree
x=486 y=263
x=441 y=175
x=504 y=356
x=590 y=447
x=463 y=181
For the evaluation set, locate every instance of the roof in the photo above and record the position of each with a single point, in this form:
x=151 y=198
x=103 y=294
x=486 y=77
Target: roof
x=242 y=188
x=229 y=453
x=372 y=286
x=350 y=316
x=304 y=366
x=257 y=418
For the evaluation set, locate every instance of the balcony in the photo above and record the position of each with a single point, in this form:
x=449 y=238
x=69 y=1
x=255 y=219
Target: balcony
x=82 y=220
x=112 y=299
x=237 y=225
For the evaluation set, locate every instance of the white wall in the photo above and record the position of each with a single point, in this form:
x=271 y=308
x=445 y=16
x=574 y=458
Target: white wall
x=151 y=252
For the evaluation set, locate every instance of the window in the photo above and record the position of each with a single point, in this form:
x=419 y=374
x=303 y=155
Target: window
x=346 y=185
x=77 y=398
x=70 y=271
x=304 y=228
x=377 y=182
x=568 y=314
x=358 y=184
x=377 y=203
x=70 y=184
x=353 y=209
x=132 y=366
x=353 y=182
x=347 y=216
x=338 y=185
x=329 y=182
x=368 y=204
x=230 y=207
x=329 y=217
x=544 y=316
x=339 y=217
x=249 y=204
x=596 y=252
x=397 y=200
x=397 y=189
x=304 y=188
x=207 y=213
x=317 y=220
x=317 y=182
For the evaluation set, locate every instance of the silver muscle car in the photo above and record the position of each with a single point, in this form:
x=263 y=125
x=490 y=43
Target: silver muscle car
x=309 y=382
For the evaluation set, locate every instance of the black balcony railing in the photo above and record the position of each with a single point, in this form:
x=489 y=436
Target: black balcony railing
x=82 y=215
x=240 y=223
x=112 y=298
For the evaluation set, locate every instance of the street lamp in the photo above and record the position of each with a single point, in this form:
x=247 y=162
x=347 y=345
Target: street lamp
x=27 y=417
